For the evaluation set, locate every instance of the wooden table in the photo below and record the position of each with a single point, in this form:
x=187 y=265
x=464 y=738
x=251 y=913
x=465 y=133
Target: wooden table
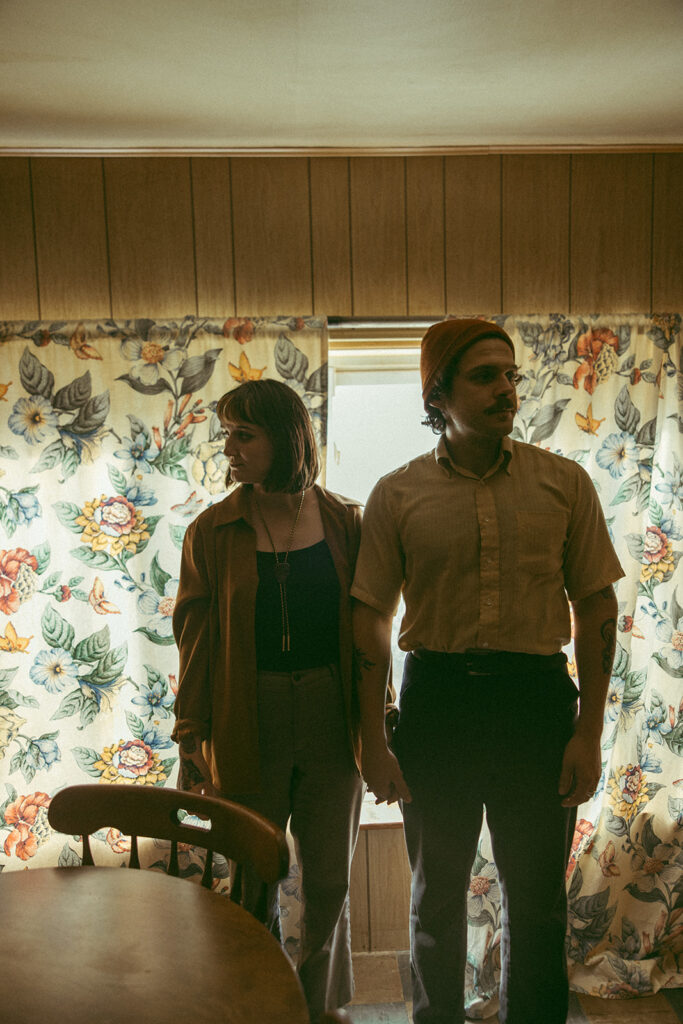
x=111 y=944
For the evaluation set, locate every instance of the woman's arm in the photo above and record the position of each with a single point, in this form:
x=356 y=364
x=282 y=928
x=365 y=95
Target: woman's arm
x=191 y=626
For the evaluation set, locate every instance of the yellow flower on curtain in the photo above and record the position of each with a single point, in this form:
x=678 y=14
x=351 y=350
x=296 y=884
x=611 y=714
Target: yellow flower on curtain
x=12 y=642
x=131 y=761
x=628 y=790
x=112 y=523
x=586 y=422
x=245 y=371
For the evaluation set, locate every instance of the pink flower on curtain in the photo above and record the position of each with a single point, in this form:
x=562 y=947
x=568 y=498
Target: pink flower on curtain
x=28 y=815
x=598 y=351
x=17 y=581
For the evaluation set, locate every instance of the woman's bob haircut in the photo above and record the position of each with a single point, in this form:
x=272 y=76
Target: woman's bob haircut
x=277 y=409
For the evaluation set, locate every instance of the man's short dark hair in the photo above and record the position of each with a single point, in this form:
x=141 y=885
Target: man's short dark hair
x=442 y=385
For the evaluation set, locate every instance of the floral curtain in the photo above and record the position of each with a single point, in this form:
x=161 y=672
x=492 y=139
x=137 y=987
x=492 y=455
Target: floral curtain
x=608 y=392
x=109 y=447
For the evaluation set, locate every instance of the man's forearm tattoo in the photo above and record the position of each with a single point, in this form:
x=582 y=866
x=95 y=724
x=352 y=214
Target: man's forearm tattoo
x=361 y=663
x=188 y=744
x=190 y=774
x=608 y=632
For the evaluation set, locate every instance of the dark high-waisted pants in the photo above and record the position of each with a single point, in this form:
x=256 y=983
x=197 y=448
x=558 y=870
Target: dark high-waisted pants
x=487 y=731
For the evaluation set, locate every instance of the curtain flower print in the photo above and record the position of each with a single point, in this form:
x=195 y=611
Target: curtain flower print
x=607 y=391
x=109 y=447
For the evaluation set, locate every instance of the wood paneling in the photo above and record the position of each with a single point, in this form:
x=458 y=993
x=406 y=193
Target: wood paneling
x=473 y=234
x=361 y=236
x=213 y=236
x=389 y=887
x=71 y=237
x=378 y=236
x=18 y=283
x=272 y=232
x=667 y=233
x=358 y=896
x=425 y=235
x=611 y=212
x=331 y=237
x=151 y=251
x=535 y=267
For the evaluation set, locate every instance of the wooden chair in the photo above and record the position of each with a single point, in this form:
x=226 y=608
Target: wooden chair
x=239 y=834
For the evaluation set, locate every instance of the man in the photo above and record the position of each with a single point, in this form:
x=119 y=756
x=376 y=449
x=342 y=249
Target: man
x=489 y=540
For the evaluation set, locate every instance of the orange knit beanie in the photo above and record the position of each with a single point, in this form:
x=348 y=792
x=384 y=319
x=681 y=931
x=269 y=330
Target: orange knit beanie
x=449 y=337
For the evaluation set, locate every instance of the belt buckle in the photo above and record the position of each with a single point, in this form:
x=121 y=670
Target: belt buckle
x=472 y=654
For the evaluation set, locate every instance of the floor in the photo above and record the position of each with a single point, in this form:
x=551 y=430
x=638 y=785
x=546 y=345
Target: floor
x=383 y=997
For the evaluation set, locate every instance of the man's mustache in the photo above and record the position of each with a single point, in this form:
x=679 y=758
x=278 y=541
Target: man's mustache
x=501 y=407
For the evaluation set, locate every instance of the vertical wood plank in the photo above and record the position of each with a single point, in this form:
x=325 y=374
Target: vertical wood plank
x=213 y=236
x=151 y=250
x=18 y=281
x=272 y=232
x=611 y=233
x=378 y=236
x=473 y=234
x=667 y=242
x=425 y=235
x=358 y=896
x=330 y=235
x=71 y=237
x=535 y=234
x=389 y=885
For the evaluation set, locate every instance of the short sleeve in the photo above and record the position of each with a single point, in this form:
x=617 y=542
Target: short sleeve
x=380 y=567
x=590 y=561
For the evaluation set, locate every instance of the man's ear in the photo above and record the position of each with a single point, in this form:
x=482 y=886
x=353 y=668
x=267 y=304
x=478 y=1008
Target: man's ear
x=435 y=398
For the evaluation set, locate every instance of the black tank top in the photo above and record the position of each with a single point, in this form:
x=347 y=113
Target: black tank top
x=313 y=607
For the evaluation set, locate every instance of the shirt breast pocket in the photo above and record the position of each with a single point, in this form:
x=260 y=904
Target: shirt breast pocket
x=540 y=545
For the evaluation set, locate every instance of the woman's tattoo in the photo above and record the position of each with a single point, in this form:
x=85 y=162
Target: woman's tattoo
x=188 y=744
x=190 y=774
x=609 y=635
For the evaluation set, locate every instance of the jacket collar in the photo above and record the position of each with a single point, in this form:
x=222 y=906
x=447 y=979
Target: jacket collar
x=236 y=505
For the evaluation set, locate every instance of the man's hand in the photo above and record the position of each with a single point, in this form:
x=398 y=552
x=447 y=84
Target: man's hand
x=384 y=777
x=581 y=770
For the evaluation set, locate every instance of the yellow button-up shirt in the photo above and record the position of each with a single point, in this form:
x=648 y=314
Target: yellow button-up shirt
x=487 y=562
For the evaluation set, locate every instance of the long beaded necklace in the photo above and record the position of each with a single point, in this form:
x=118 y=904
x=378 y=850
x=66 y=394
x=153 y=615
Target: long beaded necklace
x=282 y=567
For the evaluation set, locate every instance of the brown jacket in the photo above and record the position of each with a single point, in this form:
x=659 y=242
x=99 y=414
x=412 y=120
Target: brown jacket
x=213 y=624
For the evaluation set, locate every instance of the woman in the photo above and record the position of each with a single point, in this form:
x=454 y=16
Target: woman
x=266 y=714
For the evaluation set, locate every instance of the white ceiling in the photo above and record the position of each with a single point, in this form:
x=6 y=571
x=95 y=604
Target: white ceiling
x=262 y=74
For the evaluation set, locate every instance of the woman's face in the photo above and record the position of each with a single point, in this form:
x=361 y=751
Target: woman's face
x=249 y=451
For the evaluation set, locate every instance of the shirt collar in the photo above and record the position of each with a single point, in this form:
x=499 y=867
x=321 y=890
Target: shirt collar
x=443 y=458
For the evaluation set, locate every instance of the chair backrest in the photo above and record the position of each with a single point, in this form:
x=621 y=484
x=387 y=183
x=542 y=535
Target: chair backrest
x=239 y=834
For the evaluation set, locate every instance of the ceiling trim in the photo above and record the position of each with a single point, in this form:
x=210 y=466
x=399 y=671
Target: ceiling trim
x=338 y=151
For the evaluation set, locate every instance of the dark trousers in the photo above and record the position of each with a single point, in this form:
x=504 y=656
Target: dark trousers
x=474 y=733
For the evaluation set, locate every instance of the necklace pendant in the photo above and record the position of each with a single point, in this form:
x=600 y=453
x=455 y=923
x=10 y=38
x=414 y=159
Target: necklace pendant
x=281 y=570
